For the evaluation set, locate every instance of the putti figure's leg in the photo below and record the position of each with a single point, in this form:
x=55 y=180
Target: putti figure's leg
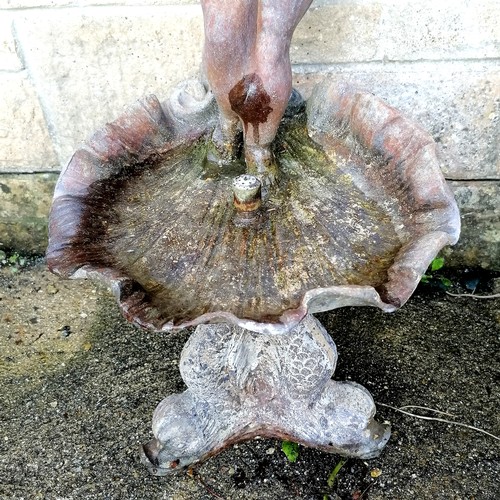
x=243 y=384
x=227 y=48
x=247 y=63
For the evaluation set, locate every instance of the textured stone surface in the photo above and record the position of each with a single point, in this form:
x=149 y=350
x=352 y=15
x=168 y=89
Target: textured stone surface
x=243 y=384
x=138 y=2
x=25 y=4
x=459 y=106
x=9 y=60
x=360 y=189
x=75 y=410
x=84 y=62
x=479 y=243
x=337 y=32
x=15 y=4
x=25 y=144
x=348 y=31
x=444 y=29
x=89 y=67
x=24 y=208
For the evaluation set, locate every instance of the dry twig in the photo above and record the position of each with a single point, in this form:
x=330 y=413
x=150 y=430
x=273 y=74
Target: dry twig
x=473 y=296
x=436 y=419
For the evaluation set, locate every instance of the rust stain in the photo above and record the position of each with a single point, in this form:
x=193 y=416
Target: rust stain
x=250 y=101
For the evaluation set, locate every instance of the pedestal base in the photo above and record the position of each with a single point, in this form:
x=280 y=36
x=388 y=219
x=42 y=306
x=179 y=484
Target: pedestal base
x=243 y=384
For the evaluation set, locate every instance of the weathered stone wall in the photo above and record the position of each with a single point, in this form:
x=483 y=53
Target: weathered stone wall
x=68 y=66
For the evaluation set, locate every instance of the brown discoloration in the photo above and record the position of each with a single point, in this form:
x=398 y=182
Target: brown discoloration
x=155 y=225
x=247 y=193
x=247 y=206
x=175 y=236
x=250 y=101
x=250 y=37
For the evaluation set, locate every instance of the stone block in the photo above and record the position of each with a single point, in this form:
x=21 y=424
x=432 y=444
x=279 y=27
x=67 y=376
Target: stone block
x=444 y=29
x=479 y=243
x=24 y=208
x=337 y=32
x=9 y=60
x=137 y=2
x=458 y=105
x=90 y=63
x=353 y=31
x=26 y=4
x=25 y=144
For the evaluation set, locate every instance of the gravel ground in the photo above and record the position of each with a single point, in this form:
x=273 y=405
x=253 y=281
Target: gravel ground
x=78 y=386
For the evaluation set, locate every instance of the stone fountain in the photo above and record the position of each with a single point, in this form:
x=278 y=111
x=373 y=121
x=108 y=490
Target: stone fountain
x=238 y=208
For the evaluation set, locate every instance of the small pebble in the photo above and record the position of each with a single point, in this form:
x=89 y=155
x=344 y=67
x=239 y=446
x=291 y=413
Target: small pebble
x=270 y=451
x=53 y=404
x=65 y=331
x=52 y=289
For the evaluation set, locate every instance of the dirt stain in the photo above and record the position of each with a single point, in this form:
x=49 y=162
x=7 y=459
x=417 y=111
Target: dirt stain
x=250 y=101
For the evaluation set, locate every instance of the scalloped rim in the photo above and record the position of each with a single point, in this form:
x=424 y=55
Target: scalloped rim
x=404 y=275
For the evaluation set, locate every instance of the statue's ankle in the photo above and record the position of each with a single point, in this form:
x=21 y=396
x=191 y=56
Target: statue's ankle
x=261 y=162
x=225 y=146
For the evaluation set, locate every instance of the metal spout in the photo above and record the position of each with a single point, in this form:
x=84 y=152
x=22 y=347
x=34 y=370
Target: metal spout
x=247 y=193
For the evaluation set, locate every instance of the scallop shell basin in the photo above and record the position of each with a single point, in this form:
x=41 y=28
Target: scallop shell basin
x=359 y=211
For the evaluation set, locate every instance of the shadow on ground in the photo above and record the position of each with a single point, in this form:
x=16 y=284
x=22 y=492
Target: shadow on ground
x=78 y=386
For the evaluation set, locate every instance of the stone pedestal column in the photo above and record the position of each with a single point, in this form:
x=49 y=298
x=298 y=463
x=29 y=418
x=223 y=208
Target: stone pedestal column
x=243 y=384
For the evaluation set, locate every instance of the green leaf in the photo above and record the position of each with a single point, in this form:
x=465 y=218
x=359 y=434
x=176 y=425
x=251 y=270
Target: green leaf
x=335 y=471
x=291 y=450
x=425 y=278
x=445 y=282
x=437 y=263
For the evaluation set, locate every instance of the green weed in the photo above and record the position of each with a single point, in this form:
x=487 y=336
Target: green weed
x=14 y=261
x=291 y=450
x=333 y=475
x=431 y=277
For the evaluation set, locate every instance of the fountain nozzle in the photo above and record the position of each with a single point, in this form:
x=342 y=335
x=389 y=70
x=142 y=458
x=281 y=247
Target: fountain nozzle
x=247 y=193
